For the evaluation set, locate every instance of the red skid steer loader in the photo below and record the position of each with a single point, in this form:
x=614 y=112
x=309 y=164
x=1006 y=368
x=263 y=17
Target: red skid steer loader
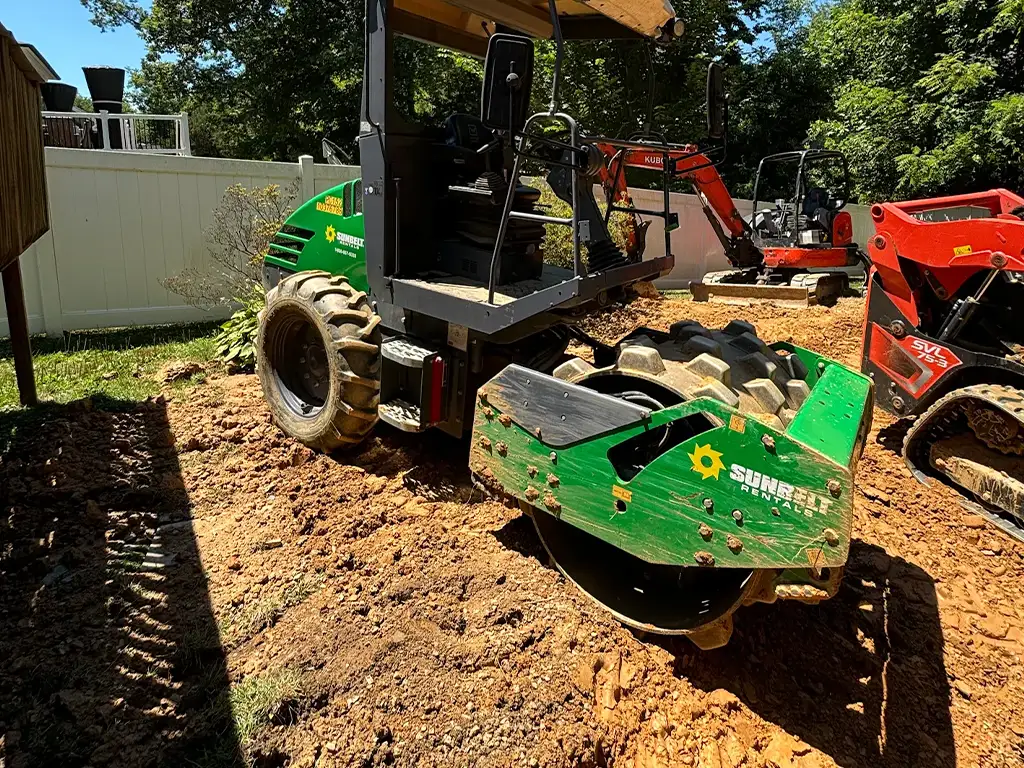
x=944 y=342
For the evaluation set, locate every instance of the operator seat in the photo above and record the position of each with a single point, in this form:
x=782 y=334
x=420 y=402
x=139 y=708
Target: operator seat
x=465 y=135
x=818 y=211
x=470 y=204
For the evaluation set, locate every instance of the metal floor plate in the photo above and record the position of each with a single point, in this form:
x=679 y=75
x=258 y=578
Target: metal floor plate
x=472 y=290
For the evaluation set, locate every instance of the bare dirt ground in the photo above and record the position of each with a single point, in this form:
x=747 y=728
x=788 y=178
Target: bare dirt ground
x=168 y=562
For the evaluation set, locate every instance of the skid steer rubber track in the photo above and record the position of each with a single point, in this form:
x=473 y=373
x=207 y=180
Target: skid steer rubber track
x=973 y=438
x=739 y=287
x=736 y=368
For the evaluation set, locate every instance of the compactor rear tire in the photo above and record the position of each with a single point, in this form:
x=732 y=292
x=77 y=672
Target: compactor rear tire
x=318 y=359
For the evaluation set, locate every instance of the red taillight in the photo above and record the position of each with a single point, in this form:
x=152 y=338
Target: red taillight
x=436 y=390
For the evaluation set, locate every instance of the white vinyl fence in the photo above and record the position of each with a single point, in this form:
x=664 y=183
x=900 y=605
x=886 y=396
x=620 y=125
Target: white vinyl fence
x=120 y=222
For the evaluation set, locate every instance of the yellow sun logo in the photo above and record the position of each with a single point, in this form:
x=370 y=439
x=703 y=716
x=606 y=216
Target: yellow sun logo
x=331 y=233
x=709 y=468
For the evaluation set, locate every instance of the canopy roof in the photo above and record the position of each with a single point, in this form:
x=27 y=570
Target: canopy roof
x=465 y=24
x=28 y=59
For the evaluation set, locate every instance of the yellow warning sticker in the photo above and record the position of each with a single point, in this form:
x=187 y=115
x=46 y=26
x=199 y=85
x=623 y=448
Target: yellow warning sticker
x=330 y=204
x=962 y=250
x=622 y=493
x=737 y=423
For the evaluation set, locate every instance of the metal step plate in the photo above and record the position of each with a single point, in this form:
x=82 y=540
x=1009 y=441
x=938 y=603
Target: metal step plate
x=402 y=415
x=404 y=352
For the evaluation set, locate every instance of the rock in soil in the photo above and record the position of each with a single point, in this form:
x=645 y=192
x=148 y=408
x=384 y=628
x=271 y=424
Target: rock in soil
x=178 y=371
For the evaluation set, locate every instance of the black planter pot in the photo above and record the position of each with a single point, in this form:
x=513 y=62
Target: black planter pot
x=58 y=97
x=105 y=83
x=106 y=88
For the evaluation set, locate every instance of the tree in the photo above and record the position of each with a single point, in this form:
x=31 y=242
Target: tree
x=259 y=82
x=928 y=97
x=268 y=80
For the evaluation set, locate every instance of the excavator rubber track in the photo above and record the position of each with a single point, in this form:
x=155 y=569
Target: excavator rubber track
x=973 y=438
x=739 y=287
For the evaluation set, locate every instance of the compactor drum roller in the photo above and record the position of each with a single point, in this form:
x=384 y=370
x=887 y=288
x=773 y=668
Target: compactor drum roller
x=694 y=472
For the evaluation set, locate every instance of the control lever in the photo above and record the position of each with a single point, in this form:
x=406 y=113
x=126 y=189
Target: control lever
x=490 y=145
x=333 y=154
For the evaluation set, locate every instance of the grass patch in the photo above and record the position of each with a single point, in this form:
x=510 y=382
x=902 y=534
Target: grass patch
x=678 y=294
x=249 y=619
x=116 y=364
x=257 y=698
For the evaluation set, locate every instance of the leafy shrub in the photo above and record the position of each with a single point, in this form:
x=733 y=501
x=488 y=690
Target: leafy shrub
x=243 y=224
x=236 y=341
x=558 y=238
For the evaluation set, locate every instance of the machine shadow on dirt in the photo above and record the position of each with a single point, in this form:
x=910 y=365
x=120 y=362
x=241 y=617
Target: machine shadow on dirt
x=860 y=677
x=110 y=645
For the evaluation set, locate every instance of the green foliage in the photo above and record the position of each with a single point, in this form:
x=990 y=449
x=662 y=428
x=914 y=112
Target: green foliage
x=929 y=97
x=269 y=80
x=257 y=697
x=924 y=97
x=236 y=341
x=243 y=224
x=558 y=239
x=248 y=619
x=84 y=103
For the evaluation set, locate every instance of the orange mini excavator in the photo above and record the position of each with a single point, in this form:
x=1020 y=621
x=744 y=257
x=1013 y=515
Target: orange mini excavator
x=772 y=251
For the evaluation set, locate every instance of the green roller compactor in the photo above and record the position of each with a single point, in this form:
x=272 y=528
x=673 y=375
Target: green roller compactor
x=673 y=477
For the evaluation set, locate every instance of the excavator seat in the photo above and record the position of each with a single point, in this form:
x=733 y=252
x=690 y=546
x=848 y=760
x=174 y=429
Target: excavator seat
x=818 y=213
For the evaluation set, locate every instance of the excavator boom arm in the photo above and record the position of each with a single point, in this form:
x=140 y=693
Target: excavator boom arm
x=686 y=163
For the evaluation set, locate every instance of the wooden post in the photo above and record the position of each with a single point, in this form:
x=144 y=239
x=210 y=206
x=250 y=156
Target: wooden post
x=17 y=319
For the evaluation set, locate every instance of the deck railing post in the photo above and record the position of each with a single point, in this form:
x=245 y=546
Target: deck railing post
x=184 y=139
x=104 y=128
